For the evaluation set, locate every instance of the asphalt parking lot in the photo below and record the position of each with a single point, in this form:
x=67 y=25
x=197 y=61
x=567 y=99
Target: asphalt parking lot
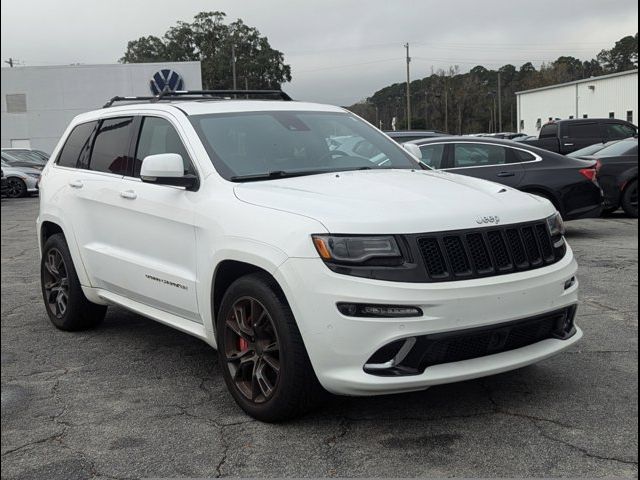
x=137 y=399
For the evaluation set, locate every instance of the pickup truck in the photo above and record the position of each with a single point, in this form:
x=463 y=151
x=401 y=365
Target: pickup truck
x=566 y=136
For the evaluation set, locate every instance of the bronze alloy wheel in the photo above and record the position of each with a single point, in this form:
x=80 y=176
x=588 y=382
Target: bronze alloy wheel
x=252 y=350
x=56 y=282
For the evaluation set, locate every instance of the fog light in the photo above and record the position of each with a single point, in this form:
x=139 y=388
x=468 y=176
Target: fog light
x=378 y=311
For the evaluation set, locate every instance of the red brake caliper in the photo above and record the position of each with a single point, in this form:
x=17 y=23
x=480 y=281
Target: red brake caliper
x=243 y=345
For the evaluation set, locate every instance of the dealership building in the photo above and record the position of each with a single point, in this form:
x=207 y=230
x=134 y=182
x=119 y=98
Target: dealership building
x=608 y=96
x=39 y=102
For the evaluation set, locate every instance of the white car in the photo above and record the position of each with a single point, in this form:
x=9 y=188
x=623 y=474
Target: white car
x=310 y=270
x=20 y=181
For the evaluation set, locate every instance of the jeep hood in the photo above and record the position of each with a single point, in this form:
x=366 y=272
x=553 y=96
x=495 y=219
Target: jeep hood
x=394 y=201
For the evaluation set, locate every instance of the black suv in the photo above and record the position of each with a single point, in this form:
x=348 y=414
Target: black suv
x=566 y=136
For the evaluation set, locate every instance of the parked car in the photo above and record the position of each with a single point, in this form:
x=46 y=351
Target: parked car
x=17 y=160
x=566 y=136
x=3 y=187
x=402 y=136
x=308 y=269
x=524 y=138
x=588 y=152
x=20 y=181
x=568 y=183
x=35 y=154
x=617 y=174
x=503 y=135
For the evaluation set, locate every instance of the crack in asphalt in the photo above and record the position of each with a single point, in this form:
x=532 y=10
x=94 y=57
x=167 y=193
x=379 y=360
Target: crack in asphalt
x=535 y=421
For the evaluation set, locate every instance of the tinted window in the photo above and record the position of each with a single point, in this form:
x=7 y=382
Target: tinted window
x=549 y=131
x=159 y=136
x=522 y=156
x=110 y=151
x=78 y=146
x=432 y=155
x=478 y=155
x=616 y=130
x=583 y=130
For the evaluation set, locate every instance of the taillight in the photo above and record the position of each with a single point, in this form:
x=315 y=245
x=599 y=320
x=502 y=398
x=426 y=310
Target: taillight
x=590 y=173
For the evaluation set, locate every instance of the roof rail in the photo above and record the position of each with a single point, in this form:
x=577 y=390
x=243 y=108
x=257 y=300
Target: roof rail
x=201 y=95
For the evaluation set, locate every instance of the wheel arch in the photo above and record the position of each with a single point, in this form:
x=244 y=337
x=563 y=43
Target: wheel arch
x=49 y=225
x=228 y=271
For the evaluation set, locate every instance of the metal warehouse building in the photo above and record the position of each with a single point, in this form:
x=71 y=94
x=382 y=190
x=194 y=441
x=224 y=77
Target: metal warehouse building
x=39 y=102
x=608 y=96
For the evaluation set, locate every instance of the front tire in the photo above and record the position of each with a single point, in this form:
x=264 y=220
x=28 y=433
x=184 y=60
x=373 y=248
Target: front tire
x=263 y=358
x=630 y=199
x=16 y=188
x=66 y=304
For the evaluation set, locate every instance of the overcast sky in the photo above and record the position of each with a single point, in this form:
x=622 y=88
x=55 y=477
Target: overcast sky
x=340 y=51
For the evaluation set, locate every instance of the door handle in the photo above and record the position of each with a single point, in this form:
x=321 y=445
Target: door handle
x=129 y=194
x=506 y=174
x=76 y=184
x=569 y=144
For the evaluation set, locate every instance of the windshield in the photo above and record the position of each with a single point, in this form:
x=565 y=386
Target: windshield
x=623 y=147
x=278 y=144
x=587 y=151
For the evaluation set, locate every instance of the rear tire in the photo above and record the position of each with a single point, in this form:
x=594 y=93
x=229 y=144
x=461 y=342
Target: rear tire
x=263 y=358
x=66 y=304
x=630 y=199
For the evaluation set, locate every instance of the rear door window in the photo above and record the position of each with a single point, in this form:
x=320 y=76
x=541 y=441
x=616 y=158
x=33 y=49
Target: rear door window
x=432 y=155
x=583 y=130
x=77 y=148
x=522 y=156
x=110 y=153
x=158 y=136
x=471 y=155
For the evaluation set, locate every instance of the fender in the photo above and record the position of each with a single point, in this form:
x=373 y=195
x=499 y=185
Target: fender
x=262 y=255
x=78 y=264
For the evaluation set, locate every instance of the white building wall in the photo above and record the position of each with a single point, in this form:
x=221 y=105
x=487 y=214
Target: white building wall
x=54 y=95
x=595 y=97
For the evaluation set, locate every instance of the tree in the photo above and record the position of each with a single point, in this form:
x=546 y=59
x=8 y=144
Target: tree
x=623 y=56
x=211 y=41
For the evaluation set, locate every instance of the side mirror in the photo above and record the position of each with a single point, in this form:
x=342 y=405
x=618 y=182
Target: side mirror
x=413 y=149
x=167 y=169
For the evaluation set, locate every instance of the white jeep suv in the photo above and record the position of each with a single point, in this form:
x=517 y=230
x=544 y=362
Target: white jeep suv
x=312 y=251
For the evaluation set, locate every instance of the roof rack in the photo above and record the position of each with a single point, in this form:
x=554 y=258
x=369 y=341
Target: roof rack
x=202 y=95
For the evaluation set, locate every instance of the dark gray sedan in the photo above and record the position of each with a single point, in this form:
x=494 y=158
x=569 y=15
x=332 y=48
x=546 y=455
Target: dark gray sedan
x=569 y=183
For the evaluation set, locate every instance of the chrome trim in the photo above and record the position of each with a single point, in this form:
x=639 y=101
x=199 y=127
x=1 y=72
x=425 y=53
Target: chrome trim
x=400 y=356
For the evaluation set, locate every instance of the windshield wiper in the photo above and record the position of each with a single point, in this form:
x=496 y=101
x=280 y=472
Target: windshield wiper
x=275 y=174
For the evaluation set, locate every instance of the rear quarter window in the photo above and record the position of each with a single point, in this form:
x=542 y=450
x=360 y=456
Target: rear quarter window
x=78 y=146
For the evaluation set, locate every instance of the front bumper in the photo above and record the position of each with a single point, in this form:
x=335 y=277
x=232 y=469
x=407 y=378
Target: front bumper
x=339 y=346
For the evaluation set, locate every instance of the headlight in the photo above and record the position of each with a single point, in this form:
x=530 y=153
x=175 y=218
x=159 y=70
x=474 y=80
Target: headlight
x=556 y=225
x=357 y=249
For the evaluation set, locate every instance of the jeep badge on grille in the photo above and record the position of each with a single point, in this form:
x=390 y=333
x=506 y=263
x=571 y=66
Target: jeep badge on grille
x=484 y=220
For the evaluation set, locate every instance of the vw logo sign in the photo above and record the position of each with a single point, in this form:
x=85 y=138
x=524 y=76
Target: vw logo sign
x=166 y=80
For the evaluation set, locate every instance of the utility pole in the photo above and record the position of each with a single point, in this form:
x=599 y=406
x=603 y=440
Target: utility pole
x=446 y=106
x=9 y=62
x=406 y=45
x=499 y=101
x=233 y=67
